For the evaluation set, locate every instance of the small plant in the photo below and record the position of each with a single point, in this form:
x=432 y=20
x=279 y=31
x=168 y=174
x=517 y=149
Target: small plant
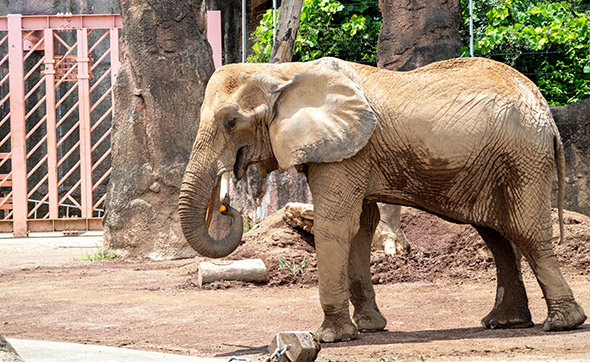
x=101 y=255
x=292 y=265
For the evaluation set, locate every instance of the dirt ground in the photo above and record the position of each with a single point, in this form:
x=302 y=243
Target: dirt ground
x=433 y=299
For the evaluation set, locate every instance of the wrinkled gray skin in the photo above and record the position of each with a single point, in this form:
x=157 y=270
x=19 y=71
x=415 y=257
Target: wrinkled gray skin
x=470 y=140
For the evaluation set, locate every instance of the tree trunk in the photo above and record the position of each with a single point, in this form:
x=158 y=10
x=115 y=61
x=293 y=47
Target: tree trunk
x=572 y=121
x=287 y=27
x=166 y=64
x=249 y=270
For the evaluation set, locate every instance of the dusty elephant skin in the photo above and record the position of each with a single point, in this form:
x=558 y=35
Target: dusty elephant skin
x=470 y=140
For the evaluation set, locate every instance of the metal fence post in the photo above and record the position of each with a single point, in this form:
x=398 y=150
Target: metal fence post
x=84 y=112
x=17 y=125
x=49 y=74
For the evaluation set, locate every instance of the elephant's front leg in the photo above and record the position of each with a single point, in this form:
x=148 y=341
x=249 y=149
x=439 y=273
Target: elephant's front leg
x=337 y=210
x=367 y=316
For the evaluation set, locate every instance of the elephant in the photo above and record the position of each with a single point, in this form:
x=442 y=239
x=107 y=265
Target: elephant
x=470 y=140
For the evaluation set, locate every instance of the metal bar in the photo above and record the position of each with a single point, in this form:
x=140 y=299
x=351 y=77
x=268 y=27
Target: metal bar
x=50 y=124
x=5 y=139
x=99 y=202
x=7 y=117
x=68 y=154
x=67 y=175
x=36 y=167
x=65 y=137
x=37 y=205
x=115 y=62
x=96 y=63
x=67 y=196
x=99 y=101
x=34 y=108
x=62 y=119
x=274 y=22
x=106 y=154
x=4 y=59
x=100 y=140
x=84 y=114
x=243 y=31
x=65 y=96
x=102 y=37
x=102 y=118
x=41 y=141
x=4 y=160
x=64 y=43
x=17 y=125
x=471 y=28
x=39 y=124
x=37 y=186
x=66 y=74
x=214 y=35
x=106 y=174
x=4 y=81
x=34 y=68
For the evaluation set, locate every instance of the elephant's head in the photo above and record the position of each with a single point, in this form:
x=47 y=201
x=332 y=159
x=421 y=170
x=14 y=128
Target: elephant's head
x=274 y=116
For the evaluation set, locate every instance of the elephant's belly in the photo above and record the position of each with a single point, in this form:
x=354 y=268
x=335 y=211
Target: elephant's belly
x=441 y=186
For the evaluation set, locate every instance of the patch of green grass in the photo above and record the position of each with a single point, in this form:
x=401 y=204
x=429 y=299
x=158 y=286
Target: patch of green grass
x=100 y=255
x=292 y=265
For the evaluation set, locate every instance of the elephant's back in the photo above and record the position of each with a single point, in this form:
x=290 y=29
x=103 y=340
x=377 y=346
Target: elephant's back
x=454 y=127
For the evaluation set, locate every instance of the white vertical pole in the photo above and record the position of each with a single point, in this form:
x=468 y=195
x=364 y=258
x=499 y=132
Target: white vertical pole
x=471 y=28
x=243 y=31
x=274 y=21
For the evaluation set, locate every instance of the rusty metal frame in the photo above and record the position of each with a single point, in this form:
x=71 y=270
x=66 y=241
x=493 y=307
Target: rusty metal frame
x=33 y=140
x=39 y=137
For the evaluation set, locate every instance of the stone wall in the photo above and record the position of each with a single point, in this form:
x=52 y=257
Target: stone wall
x=573 y=122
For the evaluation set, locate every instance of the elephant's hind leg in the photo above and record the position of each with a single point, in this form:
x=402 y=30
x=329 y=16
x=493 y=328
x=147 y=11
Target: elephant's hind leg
x=367 y=316
x=563 y=312
x=511 y=306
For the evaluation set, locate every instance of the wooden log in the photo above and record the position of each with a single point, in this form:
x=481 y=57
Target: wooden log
x=249 y=270
x=287 y=28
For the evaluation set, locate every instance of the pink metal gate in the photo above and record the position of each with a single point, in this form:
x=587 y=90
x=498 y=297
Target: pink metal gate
x=56 y=105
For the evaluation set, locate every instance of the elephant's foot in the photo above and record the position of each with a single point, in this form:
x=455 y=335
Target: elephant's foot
x=508 y=317
x=336 y=329
x=564 y=314
x=369 y=320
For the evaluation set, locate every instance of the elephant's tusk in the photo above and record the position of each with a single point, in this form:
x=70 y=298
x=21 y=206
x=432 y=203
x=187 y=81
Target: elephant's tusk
x=224 y=186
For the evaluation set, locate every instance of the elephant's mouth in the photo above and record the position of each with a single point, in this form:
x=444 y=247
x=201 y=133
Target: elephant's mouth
x=241 y=164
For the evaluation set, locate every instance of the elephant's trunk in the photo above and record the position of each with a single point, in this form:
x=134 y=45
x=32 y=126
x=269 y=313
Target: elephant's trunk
x=198 y=188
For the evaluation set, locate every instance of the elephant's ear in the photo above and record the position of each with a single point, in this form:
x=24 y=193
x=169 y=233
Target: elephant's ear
x=320 y=116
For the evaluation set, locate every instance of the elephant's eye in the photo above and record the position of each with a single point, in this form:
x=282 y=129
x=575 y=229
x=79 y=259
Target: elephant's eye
x=230 y=123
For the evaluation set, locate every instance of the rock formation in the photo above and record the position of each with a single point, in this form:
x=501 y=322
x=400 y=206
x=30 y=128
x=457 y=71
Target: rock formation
x=418 y=32
x=166 y=63
x=7 y=352
x=573 y=122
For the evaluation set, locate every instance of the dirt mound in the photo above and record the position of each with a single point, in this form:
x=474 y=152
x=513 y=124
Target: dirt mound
x=439 y=249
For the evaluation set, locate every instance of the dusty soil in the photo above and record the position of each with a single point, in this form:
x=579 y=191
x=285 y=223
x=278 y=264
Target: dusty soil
x=433 y=298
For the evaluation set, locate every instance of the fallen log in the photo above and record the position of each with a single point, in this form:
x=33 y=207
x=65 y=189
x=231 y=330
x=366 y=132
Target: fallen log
x=249 y=270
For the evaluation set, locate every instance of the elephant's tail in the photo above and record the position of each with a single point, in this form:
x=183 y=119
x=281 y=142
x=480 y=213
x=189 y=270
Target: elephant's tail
x=560 y=159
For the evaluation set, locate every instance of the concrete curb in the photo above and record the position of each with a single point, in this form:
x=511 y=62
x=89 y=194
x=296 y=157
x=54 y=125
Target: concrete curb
x=42 y=351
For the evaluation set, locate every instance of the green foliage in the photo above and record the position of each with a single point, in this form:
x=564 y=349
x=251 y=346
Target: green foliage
x=327 y=28
x=102 y=255
x=292 y=265
x=546 y=40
